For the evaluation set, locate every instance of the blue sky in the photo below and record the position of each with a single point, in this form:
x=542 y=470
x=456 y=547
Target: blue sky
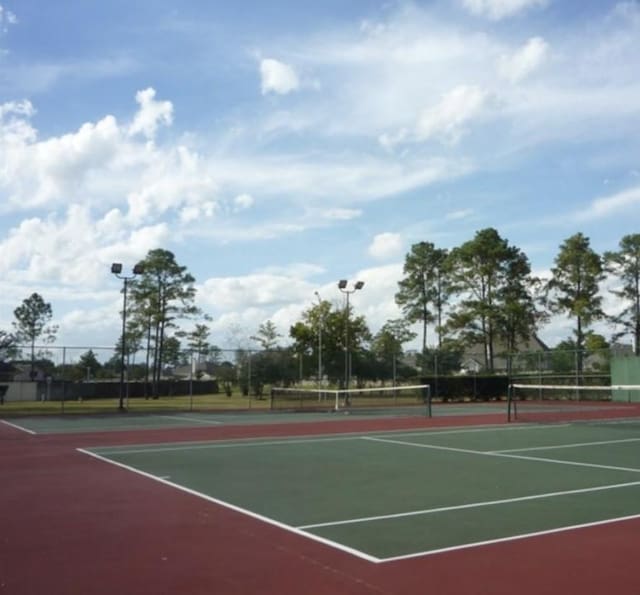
x=276 y=147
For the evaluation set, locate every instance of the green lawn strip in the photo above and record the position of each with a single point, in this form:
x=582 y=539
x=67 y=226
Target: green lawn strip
x=219 y=402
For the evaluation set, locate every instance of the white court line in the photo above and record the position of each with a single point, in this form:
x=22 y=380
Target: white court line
x=574 y=445
x=235 y=508
x=464 y=546
x=426 y=511
x=216 y=445
x=504 y=455
x=347 y=549
x=184 y=417
x=571 y=463
x=249 y=442
x=358 y=553
x=17 y=427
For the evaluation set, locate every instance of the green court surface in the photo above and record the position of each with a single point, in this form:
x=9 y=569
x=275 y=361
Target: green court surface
x=385 y=496
x=53 y=424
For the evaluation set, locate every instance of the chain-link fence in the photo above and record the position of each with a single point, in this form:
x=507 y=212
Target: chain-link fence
x=54 y=378
x=63 y=378
x=569 y=366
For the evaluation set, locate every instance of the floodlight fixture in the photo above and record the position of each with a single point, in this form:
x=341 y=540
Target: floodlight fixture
x=342 y=286
x=116 y=269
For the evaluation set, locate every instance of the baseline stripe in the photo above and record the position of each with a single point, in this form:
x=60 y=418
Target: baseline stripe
x=17 y=427
x=235 y=508
x=301 y=440
x=471 y=505
x=463 y=546
x=504 y=455
x=558 y=446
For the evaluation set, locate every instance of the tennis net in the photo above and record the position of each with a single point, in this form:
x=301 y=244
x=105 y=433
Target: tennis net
x=548 y=403
x=403 y=400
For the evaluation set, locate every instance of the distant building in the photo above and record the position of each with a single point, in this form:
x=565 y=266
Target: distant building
x=199 y=370
x=7 y=372
x=473 y=358
x=22 y=372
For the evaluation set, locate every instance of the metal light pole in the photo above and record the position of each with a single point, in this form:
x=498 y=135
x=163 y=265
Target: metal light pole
x=116 y=269
x=342 y=286
x=320 y=325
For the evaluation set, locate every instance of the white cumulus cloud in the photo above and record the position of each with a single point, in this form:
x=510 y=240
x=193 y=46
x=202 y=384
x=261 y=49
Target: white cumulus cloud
x=277 y=77
x=621 y=202
x=151 y=114
x=496 y=10
x=7 y=18
x=243 y=201
x=385 y=246
x=524 y=61
x=446 y=120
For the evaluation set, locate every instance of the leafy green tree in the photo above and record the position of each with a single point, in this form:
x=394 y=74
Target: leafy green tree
x=32 y=318
x=226 y=373
x=596 y=346
x=387 y=344
x=8 y=346
x=565 y=357
x=518 y=315
x=214 y=354
x=425 y=288
x=164 y=293
x=267 y=366
x=133 y=337
x=173 y=354
x=88 y=365
x=198 y=341
x=305 y=332
x=562 y=357
x=493 y=279
x=267 y=336
x=625 y=265
x=442 y=360
x=574 y=287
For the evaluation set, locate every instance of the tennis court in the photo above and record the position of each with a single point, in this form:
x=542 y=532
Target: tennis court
x=361 y=501
x=388 y=496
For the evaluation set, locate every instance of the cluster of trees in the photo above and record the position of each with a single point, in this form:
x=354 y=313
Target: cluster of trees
x=32 y=322
x=483 y=292
x=480 y=293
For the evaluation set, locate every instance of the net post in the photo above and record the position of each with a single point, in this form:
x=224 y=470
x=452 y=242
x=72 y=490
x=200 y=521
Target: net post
x=427 y=398
x=511 y=415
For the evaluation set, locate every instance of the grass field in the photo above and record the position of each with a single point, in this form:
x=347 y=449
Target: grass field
x=138 y=405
